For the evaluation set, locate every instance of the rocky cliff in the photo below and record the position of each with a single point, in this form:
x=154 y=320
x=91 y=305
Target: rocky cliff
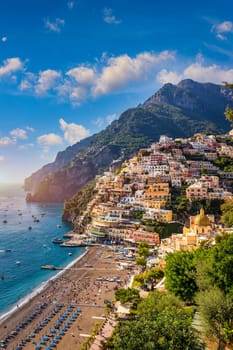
x=65 y=182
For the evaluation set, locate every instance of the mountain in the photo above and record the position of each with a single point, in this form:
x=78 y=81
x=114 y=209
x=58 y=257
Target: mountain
x=175 y=110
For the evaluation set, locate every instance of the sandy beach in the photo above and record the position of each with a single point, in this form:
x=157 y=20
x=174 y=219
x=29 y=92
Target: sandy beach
x=80 y=292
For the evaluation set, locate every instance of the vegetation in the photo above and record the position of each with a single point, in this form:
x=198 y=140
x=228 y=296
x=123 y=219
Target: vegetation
x=229 y=111
x=224 y=163
x=227 y=211
x=180 y=275
x=78 y=203
x=127 y=295
x=216 y=309
x=143 y=249
x=150 y=278
x=161 y=322
x=164 y=229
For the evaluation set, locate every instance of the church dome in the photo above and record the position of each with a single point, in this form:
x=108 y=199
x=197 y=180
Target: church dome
x=202 y=219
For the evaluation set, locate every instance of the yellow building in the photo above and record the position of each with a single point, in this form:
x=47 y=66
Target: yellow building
x=199 y=229
x=158 y=192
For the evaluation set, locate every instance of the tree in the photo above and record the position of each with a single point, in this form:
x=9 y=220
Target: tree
x=162 y=323
x=227 y=210
x=127 y=295
x=156 y=302
x=216 y=310
x=222 y=271
x=153 y=276
x=143 y=249
x=142 y=262
x=229 y=111
x=180 y=275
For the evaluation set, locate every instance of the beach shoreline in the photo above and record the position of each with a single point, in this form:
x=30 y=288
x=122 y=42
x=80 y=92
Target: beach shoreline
x=39 y=289
x=86 y=283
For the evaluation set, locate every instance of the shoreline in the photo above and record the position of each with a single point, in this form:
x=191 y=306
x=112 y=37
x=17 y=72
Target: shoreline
x=39 y=289
x=86 y=285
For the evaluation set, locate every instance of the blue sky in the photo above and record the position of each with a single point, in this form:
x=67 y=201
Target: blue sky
x=70 y=67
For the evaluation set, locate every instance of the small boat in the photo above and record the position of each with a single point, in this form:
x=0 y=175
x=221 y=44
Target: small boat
x=57 y=240
x=70 y=253
x=58 y=226
x=18 y=262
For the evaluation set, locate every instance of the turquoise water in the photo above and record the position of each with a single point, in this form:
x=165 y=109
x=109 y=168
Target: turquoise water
x=30 y=248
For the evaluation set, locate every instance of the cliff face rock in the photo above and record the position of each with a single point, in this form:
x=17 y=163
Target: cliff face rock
x=31 y=183
x=200 y=101
x=65 y=182
x=175 y=110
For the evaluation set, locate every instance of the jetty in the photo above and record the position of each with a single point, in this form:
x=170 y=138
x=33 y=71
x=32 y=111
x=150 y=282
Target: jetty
x=75 y=240
x=51 y=267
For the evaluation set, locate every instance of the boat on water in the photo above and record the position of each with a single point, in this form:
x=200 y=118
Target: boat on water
x=70 y=253
x=57 y=240
x=58 y=226
x=18 y=262
x=50 y=267
x=5 y=250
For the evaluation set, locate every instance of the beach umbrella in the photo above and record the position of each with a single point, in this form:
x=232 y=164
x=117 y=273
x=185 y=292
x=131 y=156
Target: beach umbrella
x=38 y=347
x=52 y=330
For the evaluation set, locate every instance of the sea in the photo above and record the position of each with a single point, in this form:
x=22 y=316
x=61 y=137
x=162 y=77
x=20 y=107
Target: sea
x=23 y=250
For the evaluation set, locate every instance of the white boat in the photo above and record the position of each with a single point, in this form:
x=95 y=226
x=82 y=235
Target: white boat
x=18 y=262
x=70 y=253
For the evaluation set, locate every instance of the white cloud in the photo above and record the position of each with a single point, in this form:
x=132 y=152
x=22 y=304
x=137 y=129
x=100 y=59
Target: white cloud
x=7 y=141
x=123 y=69
x=70 y=4
x=19 y=134
x=165 y=76
x=212 y=73
x=197 y=71
x=25 y=146
x=4 y=39
x=73 y=132
x=29 y=128
x=82 y=75
x=111 y=117
x=46 y=81
x=223 y=27
x=101 y=122
x=11 y=65
x=109 y=17
x=48 y=140
x=54 y=26
x=2 y=158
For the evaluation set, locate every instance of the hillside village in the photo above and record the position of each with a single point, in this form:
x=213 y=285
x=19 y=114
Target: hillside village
x=157 y=186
